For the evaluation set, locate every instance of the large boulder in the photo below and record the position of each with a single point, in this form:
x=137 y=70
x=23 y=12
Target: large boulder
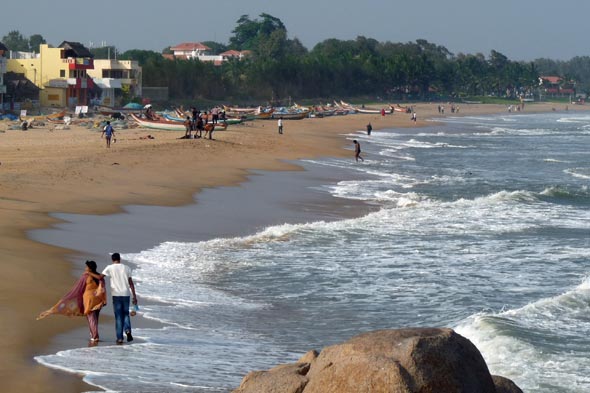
x=504 y=385
x=392 y=361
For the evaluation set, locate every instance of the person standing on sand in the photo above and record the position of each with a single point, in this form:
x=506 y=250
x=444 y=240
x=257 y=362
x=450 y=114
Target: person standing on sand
x=108 y=132
x=280 y=125
x=195 y=113
x=86 y=298
x=357 y=151
x=415 y=116
x=369 y=128
x=187 y=128
x=121 y=288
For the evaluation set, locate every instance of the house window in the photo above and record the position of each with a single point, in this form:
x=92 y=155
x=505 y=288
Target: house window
x=62 y=73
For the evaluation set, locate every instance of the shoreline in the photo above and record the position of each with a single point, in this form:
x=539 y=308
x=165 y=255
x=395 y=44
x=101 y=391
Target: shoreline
x=45 y=171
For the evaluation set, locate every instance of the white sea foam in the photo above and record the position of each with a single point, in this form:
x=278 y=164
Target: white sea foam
x=444 y=244
x=506 y=341
x=580 y=173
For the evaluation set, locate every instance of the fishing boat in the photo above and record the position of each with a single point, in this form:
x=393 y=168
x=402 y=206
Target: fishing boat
x=228 y=121
x=344 y=109
x=168 y=125
x=364 y=110
x=290 y=115
x=231 y=109
x=109 y=111
x=158 y=125
x=399 y=108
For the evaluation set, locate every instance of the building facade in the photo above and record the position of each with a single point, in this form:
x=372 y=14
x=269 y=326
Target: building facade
x=3 y=53
x=197 y=50
x=556 y=86
x=116 y=79
x=60 y=73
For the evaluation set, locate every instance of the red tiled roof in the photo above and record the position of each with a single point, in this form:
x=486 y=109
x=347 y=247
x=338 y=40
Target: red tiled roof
x=231 y=52
x=552 y=79
x=190 y=46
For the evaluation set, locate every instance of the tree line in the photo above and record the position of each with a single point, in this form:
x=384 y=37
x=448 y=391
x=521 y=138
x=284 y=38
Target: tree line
x=280 y=67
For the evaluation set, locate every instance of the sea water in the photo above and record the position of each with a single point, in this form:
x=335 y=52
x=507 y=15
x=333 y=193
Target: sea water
x=481 y=224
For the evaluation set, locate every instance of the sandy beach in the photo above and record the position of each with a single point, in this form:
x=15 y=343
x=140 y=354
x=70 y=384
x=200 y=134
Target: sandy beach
x=45 y=170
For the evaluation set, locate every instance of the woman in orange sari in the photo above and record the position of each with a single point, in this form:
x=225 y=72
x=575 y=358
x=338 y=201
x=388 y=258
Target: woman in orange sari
x=86 y=298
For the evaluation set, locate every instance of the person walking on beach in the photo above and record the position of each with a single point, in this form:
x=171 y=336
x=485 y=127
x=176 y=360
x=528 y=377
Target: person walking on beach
x=357 y=151
x=108 y=132
x=86 y=298
x=122 y=287
x=369 y=128
x=280 y=124
x=415 y=117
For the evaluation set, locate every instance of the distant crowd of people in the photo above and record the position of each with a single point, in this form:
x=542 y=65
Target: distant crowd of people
x=203 y=121
x=454 y=109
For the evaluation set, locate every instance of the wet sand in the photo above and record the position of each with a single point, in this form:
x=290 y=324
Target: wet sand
x=70 y=171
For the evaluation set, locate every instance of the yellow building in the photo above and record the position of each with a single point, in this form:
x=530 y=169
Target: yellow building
x=116 y=78
x=60 y=73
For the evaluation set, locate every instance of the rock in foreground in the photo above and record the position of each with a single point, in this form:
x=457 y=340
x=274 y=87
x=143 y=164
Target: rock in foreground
x=392 y=361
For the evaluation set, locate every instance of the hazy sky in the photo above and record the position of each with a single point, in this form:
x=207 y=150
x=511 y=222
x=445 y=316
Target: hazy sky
x=520 y=29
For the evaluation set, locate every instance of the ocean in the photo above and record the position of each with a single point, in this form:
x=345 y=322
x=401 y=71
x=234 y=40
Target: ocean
x=481 y=224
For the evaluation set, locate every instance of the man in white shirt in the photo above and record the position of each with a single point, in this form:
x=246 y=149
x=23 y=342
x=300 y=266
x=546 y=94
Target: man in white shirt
x=280 y=124
x=121 y=288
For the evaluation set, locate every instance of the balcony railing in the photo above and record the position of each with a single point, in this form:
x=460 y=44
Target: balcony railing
x=80 y=63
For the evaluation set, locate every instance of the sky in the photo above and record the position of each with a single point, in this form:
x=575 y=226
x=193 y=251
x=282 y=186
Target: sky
x=520 y=29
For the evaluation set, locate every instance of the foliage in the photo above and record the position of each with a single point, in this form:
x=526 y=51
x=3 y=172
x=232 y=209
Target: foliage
x=281 y=68
x=105 y=52
x=577 y=69
x=15 y=41
x=216 y=47
x=35 y=42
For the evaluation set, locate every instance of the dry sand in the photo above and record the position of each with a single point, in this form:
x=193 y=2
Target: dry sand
x=45 y=170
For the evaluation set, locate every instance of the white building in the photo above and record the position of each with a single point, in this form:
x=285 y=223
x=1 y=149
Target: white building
x=190 y=50
x=197 y=50
x=115 y=77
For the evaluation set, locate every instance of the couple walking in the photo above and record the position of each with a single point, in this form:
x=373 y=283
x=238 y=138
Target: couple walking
x=88 y=296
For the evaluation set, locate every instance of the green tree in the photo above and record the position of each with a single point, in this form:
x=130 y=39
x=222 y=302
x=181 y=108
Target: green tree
x=216 y=47
x=35 y=42
x=105 y=52
x=248 y=34
x=15 y=41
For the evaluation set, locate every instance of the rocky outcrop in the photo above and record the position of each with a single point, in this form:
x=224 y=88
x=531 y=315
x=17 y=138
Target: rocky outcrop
x=504 y=385
x=392 y=361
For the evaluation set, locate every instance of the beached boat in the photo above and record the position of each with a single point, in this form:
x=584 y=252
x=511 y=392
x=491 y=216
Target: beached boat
x=290 y=115
x=228 y=121
x=57 y=118
x=168 y=125
x=158 y=125
x=399 y=108
x=109 y=111
x=344 y=109
x=364 y=110
x=231 y=109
